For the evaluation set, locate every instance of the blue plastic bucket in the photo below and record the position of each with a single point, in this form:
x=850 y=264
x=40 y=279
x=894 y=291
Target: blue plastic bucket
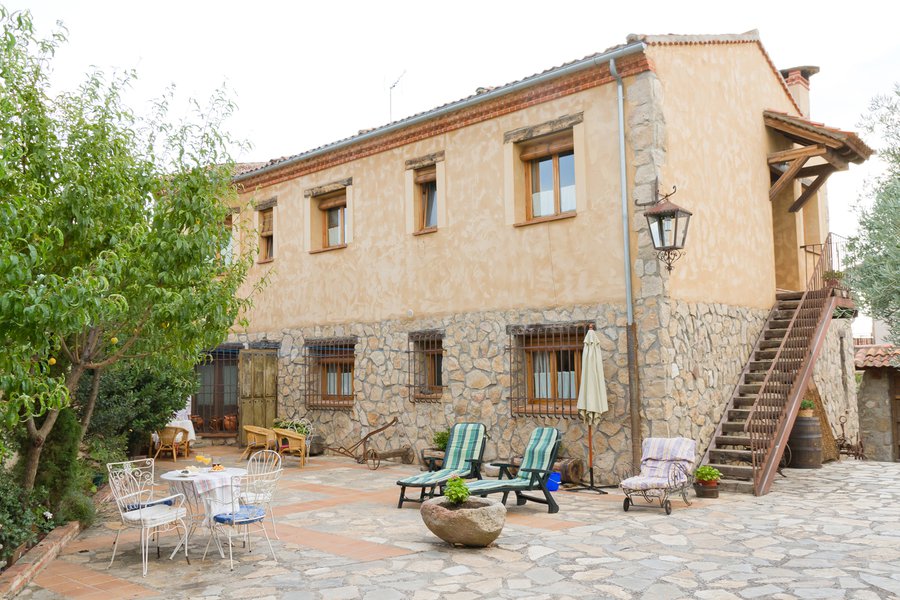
x=554 y=481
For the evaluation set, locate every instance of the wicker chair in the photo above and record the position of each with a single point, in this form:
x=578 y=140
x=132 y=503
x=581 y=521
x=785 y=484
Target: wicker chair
x=132 y=486
x=173 y=439
x=258 y=438
x=293 y=443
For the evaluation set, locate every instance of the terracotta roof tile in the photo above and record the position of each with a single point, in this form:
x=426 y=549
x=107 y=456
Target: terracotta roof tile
x=873 y=357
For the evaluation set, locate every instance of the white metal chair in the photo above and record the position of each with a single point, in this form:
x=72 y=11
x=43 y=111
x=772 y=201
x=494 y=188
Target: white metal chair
x=238 y=519
x=263 y=461
x=132 y=486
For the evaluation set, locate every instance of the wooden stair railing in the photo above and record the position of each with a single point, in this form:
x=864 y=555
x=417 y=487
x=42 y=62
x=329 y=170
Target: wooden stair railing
x=774 y=410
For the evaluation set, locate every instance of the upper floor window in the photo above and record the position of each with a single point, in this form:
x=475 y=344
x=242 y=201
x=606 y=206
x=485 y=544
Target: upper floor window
x=426 y=194
x=226 y=248
x=549 y=176
x=334 y=207
x=266 y=234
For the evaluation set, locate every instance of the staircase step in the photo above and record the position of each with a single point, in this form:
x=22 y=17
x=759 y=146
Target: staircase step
x=769 y=344
x=732 y=440
x=739 y=486
x=780 y=323
x=730 y=456
x=748 y=401
x=788 y=304
x=734 y=471
x=775 y=333
x=765 y=355
x=784 y=315
x=748 y=389
x=732 y=427
x=760 y=365
x=738 y=414
x=788 y=295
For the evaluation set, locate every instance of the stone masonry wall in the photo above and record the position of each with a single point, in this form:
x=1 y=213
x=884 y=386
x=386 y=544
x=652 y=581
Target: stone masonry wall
x=834 y=378
x=477 y=375
x=875 y=414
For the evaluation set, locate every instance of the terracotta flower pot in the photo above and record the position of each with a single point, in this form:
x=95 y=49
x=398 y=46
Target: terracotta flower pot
x=707 y=489
x=476 y=523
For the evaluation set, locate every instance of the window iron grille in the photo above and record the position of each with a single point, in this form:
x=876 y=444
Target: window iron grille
x=426 y=365
x=328 y=366
x=545 y=368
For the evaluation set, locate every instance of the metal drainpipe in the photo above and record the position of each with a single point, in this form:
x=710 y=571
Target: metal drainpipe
x=634 y=395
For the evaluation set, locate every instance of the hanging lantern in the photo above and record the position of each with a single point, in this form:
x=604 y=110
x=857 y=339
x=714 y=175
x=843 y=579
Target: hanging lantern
x=668 y=225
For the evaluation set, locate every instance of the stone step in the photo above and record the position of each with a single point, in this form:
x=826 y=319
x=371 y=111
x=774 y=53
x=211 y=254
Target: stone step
x=765 y=355
x=784 y=315
x=733 y=440
x=748 y=401
x=748 y=389
x=740 y=486
x=780 y=323
x=734 y=471
x=738 y=414
x=788 y=304
x=767 y=344
x=732 y=427
x=775 y=333
x=760 y=365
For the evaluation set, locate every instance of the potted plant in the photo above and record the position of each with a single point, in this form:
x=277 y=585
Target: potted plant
x=707 y=482
x=833 y=278
x=433 y=457
x=459 y=519
x=806 y=408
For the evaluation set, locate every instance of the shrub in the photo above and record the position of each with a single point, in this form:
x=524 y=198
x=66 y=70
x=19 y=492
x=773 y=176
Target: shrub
x=456 y=491
x=300 y=426
x=60 y=470
x=440 y=439
x=134 y=401
x=16 y=515
x=76 y=506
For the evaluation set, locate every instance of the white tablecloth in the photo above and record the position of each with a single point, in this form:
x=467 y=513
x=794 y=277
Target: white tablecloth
x=207 y=493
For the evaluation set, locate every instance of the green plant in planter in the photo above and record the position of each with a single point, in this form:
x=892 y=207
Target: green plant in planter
x=707 y=474
x=833 y=276
x=456 y=491
x=440 y=439
x=807 y=405
x=299 y=426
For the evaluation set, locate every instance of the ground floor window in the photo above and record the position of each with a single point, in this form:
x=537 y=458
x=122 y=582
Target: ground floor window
x=328 y=367
x=214 y=407
x=545 y=368
x=426 y=365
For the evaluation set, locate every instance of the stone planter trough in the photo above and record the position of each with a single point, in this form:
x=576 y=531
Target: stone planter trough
x=477 y=523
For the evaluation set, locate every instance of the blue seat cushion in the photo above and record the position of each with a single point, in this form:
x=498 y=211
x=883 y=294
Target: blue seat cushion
x=137 y=505
x=246 y=514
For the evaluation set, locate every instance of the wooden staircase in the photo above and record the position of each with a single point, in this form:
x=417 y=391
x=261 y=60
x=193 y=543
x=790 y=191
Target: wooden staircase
x=751 y=437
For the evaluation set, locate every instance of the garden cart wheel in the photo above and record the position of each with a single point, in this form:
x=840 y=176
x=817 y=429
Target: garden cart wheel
x=668 y=507
x=372 y=459
x=626 y=503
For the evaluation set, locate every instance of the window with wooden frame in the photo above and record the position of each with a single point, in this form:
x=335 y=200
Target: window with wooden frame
x=549 y=165
x=334 y=222
x=328 y=367
x=226 y=251
x=426 y=365
x=545 y=368
x=426 y=199
x=266 y=235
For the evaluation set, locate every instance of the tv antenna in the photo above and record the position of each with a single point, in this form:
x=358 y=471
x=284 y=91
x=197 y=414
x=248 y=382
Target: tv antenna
x=391 y=97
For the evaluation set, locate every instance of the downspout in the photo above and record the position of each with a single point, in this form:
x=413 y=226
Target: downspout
x=634 y=395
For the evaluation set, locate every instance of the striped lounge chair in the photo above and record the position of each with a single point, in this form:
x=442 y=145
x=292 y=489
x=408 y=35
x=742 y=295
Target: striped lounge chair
x=534 y=472
x=462 y=458
x=666 y=469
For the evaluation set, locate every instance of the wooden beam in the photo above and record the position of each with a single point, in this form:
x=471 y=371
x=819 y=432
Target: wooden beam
x=787 y=177
x=809 y=191
x=789 y=155
x=814 y=170
x=804 y=134
x=839 y=163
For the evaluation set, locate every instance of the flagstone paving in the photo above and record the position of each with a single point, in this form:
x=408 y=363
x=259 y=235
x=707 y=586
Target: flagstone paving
x=827 y=533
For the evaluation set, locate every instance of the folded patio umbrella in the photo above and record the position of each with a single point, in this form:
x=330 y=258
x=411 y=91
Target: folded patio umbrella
x=592 y=401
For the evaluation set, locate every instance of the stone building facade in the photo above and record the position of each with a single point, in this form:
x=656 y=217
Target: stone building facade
x=499 y=268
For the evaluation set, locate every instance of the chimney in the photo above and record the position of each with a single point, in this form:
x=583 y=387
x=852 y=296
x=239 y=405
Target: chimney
x=797 y=80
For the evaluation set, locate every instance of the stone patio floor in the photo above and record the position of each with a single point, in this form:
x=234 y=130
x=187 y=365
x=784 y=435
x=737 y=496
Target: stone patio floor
x=828 y=533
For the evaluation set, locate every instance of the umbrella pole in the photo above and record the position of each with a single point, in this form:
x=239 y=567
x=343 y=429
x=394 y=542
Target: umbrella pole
x=591 y=487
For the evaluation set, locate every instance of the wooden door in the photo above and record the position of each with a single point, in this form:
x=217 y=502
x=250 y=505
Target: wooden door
x=258 y=375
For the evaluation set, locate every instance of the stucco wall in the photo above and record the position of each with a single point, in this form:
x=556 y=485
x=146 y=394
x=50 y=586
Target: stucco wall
x=834 y=377
x=477 y=260
x=716 y=147
x=875 y=414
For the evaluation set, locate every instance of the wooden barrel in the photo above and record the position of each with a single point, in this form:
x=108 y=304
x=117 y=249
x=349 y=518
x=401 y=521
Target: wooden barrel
x=806 y=444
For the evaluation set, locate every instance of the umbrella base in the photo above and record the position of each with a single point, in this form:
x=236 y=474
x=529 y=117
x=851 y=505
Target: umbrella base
x=590 y=487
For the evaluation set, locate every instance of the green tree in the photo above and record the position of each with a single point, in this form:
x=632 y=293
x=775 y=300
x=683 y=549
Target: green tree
x=111 y=234
x=875 y=251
